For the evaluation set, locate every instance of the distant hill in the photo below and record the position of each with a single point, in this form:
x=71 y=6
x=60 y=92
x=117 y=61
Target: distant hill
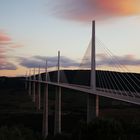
x=11 y=82
x=73 y=102
x=104 y=79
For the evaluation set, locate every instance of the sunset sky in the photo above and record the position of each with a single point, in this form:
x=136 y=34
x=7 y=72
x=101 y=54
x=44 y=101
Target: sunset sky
x=31 y=30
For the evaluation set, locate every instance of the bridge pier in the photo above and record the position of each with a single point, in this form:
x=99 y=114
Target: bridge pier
x=57 y=119
x=92 y=100
x=45 y=112
x=97 y=106
x=92 y=107
x=38 y=95
x=29 y=84
x=33 y=91
x=30 y=88
x=34 y=87
x=26 y=84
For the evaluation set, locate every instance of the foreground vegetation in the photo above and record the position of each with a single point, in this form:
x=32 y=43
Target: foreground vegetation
x=18 y=133
x=98 y=129
x=19 y=119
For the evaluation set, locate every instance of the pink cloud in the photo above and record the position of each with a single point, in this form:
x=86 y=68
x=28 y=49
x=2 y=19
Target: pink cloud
x=16 y=45
x=4 y=38
x=2 y=50
x=6 y=44
x=87 y=10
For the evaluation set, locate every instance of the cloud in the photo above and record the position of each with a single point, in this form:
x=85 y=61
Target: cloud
x=16 y=45
x=7 y=66
x=101 y=60
x=30 y=62
x=37 y=61
x=6 y=45
x=128 y=60
x=2 y=50
x=4 y=38
x=2 y=59
x=87 y=10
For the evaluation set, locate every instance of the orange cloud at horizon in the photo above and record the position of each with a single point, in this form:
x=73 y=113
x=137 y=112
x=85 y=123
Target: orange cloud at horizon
x=21 y=71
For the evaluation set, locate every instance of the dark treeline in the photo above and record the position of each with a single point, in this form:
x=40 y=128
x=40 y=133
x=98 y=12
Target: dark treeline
x=11 y=82
x=98 y=129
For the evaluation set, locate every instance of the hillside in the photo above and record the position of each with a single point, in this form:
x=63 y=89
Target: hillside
x=16 y=107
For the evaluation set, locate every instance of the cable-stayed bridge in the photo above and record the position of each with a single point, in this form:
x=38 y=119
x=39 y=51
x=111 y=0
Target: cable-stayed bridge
x=115 y=83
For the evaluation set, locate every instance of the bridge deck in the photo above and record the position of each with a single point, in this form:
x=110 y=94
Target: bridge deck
x=113 y=94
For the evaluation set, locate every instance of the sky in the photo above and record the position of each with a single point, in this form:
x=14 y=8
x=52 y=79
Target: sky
x=32 y=31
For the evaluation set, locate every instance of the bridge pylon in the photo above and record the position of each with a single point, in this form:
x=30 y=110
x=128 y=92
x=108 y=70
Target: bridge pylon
x=57 y=119
x=92 y=100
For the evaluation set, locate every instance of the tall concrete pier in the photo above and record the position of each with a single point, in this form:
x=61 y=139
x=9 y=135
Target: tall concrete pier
x=92 y=100
x=34 y=87
x=45 y=112
x=57 y=121
x=38 y=95
x=30 y=84
x=45 y=106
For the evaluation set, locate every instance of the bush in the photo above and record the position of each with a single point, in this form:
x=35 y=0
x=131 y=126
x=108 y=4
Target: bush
x=16 y=133
x=98 y=129
x=61 y=137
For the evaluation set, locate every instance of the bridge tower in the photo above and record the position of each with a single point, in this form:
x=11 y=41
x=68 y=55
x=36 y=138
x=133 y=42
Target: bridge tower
x=34 y=87
x=92 y=100
x=30 y=84
x=45 y=109
x=38 y=94
x=57 y=119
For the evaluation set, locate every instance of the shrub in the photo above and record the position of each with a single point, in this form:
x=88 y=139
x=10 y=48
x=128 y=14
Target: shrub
x=16 y=133
x=98 y=129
